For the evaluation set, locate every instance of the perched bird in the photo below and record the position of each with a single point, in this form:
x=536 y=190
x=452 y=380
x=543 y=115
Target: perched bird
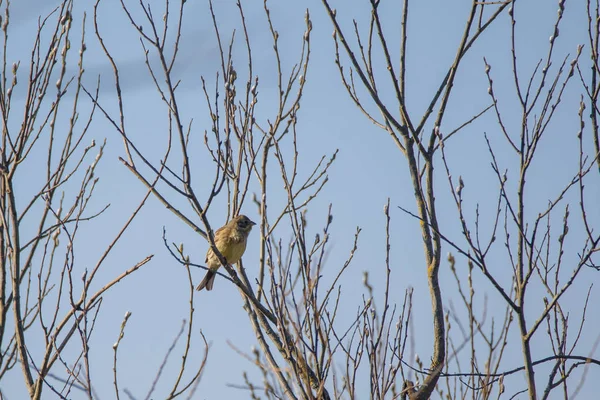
x=230 y=239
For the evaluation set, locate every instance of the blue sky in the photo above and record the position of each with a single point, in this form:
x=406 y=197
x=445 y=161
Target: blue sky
x=367 y=171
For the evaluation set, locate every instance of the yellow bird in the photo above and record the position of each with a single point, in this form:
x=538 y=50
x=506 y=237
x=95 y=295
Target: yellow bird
x=230 y=239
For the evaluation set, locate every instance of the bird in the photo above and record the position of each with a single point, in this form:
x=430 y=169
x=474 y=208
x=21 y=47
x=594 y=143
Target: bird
x=231 y=240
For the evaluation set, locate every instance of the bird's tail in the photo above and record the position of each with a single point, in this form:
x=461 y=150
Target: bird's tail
x=208 y=281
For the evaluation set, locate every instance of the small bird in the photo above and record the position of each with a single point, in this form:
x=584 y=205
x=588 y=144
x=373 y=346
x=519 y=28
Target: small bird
x=230 y=239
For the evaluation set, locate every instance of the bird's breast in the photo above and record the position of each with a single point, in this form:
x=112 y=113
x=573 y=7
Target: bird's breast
x=234 y=251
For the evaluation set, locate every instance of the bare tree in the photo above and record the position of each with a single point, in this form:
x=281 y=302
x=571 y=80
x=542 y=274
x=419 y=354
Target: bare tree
x=44 y=299
x=242 y=149
x=532 y=245
x=519 y=249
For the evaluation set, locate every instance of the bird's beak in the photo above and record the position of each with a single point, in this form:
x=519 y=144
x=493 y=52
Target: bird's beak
x=252 y=223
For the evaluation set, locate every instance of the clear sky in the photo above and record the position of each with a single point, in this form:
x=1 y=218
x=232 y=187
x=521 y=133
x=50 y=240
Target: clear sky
x=368 y=170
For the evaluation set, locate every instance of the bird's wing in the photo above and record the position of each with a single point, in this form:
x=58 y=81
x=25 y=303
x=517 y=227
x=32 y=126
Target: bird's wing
x=209 y=251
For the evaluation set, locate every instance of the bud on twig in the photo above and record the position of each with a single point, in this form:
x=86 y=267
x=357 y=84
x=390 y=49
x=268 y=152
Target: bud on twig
x=460 y=186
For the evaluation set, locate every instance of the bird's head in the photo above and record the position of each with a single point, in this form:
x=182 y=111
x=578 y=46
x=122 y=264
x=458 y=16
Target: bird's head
x=244 y=223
